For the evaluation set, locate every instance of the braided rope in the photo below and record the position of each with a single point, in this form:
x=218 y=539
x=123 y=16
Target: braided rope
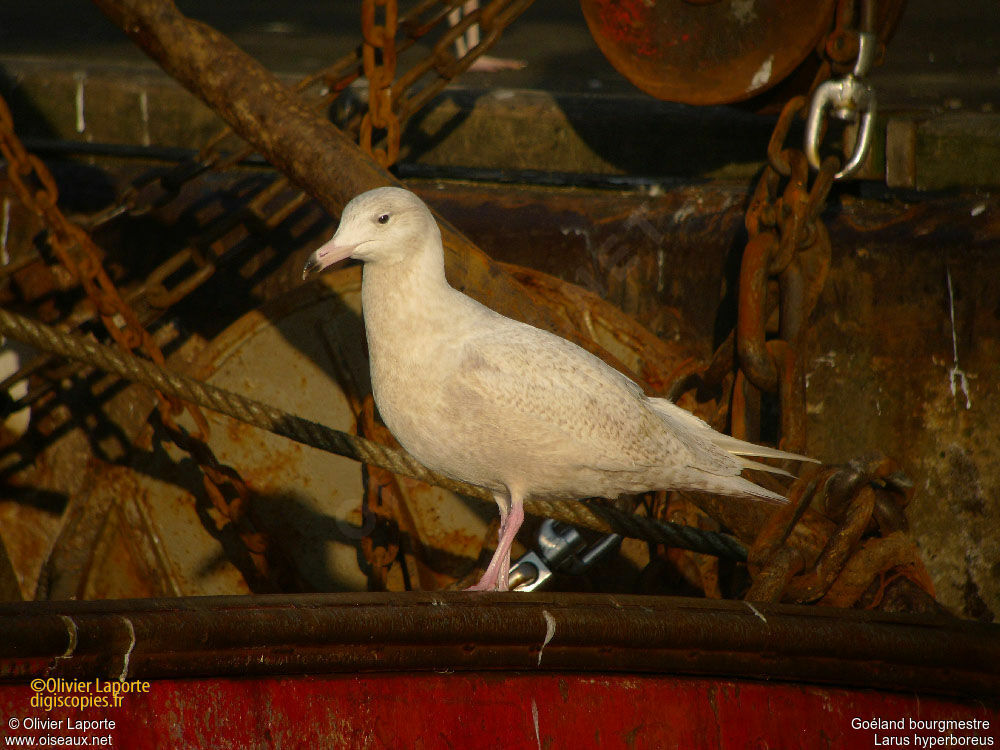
x=590 y=514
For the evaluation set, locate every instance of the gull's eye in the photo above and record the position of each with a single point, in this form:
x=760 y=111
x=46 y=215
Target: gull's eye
x=383 y=219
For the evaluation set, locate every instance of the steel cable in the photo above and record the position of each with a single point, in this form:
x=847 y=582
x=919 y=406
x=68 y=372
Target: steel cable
x=590 y=514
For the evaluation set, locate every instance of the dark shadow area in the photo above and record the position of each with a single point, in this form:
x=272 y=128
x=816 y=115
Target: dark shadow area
x=662 y=139
x=28 y=121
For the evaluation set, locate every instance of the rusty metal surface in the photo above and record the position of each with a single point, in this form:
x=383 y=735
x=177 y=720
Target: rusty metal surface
x=245 y=636
x=707 y=53
x=717 y=53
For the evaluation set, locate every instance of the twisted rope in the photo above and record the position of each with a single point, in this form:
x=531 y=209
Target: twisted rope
x=588 y=513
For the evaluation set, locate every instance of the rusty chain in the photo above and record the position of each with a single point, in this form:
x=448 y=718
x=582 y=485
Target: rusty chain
x=390 y=103
x=816 y=546
x=378 y=55
x=411 y=93
x=784 y=265
x=786 y=242
x=842 y=532
x=379 y=61
x=35 y=187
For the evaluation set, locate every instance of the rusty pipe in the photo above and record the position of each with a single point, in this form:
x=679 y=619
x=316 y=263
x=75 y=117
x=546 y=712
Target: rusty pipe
x=246 y=636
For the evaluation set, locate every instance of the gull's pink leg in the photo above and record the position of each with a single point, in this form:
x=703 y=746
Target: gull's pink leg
x=496 y=576
x=503 y=580
x=513 y=525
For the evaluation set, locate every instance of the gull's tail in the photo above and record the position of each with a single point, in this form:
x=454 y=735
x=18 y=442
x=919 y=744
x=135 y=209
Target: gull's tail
x=721 y=458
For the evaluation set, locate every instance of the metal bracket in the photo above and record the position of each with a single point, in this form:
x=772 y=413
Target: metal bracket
x=559 y=547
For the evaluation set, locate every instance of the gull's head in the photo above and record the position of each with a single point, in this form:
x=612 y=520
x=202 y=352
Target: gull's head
x=384 y=225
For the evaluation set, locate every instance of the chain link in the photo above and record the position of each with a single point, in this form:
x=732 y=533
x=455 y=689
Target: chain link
x=786 y=243
x=379 y=60
x=822 y=545
x=411 y=93
x=78 y=253
x=803 y=550
x=392 y=103
x=785 y=264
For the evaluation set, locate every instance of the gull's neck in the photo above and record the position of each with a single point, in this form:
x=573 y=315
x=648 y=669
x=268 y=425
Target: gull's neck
x=410 y=294
x=413 y=319
x=420 y=272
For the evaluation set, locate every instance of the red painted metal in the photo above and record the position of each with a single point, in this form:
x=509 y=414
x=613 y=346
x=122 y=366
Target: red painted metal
x=503 y=710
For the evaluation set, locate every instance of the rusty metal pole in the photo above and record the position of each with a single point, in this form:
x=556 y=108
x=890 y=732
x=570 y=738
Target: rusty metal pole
x=252 y=636
x=309 y=149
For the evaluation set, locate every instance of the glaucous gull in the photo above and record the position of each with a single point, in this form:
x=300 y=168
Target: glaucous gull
x=503 y=405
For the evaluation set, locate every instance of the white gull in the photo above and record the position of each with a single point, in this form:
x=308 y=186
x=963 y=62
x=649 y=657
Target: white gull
x=503 y=405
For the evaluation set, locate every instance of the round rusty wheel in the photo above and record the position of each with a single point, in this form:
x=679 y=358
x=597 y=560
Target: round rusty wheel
x=711 y=52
